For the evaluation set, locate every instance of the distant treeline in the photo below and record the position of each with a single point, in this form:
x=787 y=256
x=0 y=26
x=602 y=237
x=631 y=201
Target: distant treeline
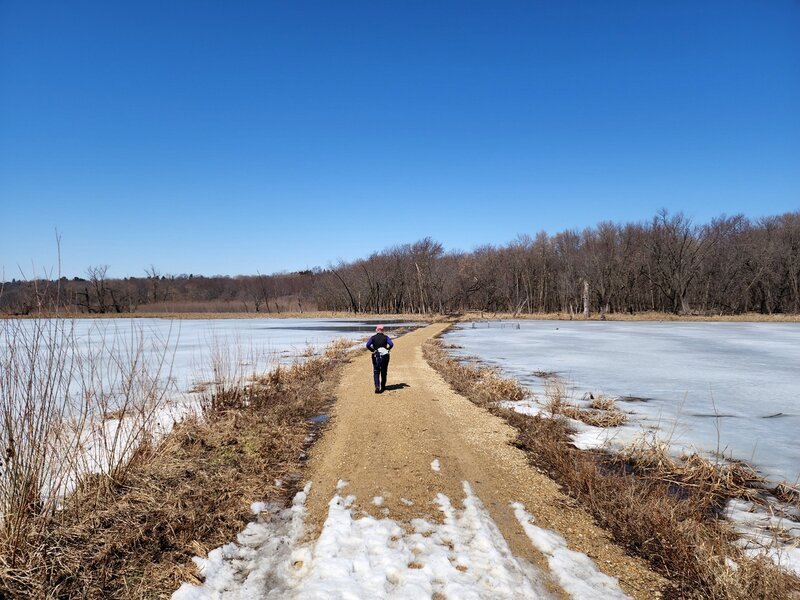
x=669 y=264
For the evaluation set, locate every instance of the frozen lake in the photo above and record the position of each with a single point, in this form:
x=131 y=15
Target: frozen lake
x=93 y=389
x=732 y=387
x=186 y=348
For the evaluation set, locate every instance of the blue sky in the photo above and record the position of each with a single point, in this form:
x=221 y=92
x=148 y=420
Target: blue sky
x=235 y=137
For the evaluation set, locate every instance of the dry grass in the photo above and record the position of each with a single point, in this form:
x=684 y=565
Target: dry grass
x=714 y=481
x=603 y=403
x=67 y=409
x=188 y=314
x=596 y=418
x=602 y=411
x=642 y=316
x=481 y=384
x=787 y=493
x=669 y=521
x=192 y=494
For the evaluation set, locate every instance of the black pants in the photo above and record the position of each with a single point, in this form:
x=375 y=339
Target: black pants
x=380 y=366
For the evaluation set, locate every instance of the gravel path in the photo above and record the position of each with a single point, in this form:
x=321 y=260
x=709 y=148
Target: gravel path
x=420 y=439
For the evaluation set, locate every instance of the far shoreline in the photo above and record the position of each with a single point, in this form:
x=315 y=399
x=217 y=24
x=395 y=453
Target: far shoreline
x=472 y=315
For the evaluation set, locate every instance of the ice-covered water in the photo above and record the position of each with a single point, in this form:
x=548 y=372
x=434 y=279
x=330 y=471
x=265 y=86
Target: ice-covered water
x=732 y=387
x=188 y=347
x=104 y=384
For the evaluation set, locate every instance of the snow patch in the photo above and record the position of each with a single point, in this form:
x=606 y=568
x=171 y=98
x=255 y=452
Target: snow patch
x=263 y=551
x=465 y=557
x=576 y=572
x=764 y=533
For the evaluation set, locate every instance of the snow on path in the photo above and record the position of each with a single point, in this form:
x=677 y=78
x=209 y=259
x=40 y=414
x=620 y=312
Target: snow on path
x=465 y=557
x=575 y=571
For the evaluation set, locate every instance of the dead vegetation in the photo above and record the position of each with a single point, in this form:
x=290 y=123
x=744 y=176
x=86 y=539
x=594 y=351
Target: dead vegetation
x=661 y=510
x=479 y=383
x=191 y=494
x=602 y=411
x=715 y=481
x=642 y=315
x=596 y=418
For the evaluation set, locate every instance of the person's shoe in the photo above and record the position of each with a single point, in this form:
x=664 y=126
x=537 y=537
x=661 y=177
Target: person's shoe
x=377 y=390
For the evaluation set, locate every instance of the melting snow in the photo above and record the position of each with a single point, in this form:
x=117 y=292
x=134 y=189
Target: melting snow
x=576 y=572
x=766 y=533
x=465 y=557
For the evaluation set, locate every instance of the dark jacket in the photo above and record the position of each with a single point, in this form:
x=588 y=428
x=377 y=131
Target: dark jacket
x=379 y=340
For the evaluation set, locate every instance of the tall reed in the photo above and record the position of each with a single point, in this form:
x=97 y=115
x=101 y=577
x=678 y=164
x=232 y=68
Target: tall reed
x=70 y=408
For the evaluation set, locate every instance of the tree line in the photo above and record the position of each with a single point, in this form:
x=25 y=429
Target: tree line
x=730 y=265
x=96 y=293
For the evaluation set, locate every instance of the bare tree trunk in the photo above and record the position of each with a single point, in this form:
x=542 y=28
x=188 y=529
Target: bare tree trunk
x=585 y=298
x=353 y=303
x=685 y=308
x=421 y=290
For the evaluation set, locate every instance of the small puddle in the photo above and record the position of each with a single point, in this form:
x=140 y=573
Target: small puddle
x=316 y=422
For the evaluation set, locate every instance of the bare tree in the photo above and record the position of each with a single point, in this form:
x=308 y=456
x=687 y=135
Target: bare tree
x=677 y=249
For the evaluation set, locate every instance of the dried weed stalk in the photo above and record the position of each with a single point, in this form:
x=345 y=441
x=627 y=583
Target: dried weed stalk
x=134 y=538
x=715 y=481
x=69 y=413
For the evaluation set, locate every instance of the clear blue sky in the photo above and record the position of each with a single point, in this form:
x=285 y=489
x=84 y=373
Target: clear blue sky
x=234 y=137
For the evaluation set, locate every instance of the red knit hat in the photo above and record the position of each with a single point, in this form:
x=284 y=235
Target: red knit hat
x=379 y=328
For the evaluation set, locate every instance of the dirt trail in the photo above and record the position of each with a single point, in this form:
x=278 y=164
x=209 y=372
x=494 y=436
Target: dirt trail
x=384 y=444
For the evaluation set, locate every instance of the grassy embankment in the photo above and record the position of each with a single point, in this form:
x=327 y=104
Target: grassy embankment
x=643 y=316
x=657 y=507
x=235 y=315
x=134 y=536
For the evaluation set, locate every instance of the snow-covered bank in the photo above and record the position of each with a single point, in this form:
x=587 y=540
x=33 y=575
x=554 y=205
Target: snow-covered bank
x=761 y=531
x=656 y=372
x=359 y=556
x=731 y=387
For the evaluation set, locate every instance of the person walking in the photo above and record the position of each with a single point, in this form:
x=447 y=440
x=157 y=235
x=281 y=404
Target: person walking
x=379 y=344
